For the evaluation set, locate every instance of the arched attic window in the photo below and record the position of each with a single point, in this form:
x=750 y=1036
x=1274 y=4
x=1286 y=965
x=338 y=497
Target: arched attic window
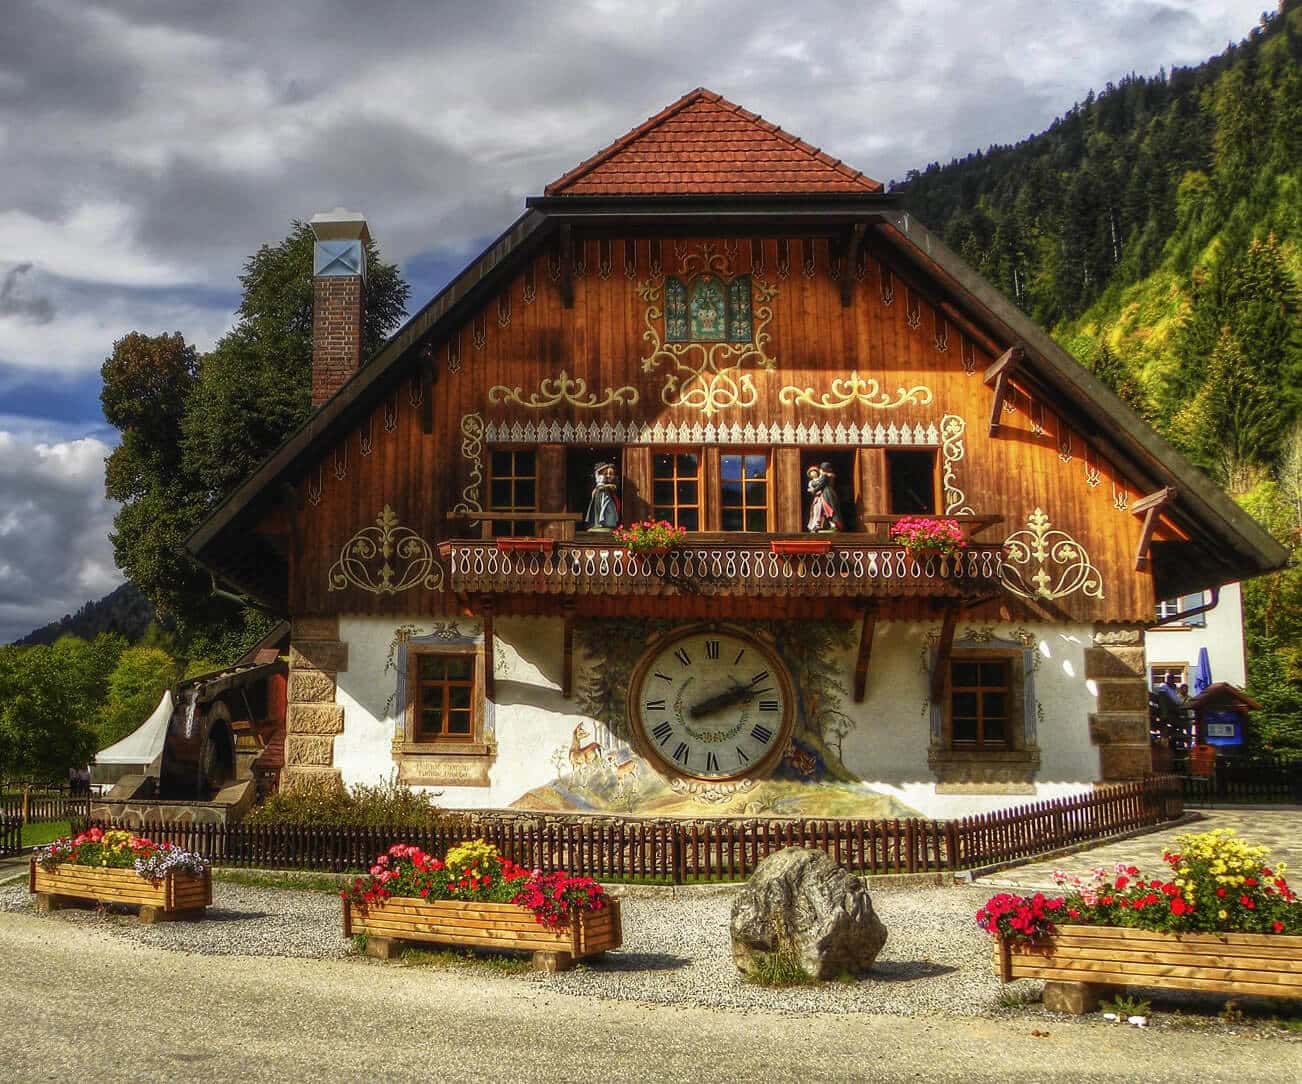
x=708 y=308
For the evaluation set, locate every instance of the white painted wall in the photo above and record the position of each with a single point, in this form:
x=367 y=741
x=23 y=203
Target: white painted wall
x=1222 y=636
x=887 y=748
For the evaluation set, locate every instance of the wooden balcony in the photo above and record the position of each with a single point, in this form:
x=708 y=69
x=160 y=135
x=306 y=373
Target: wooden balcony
x=731 y=565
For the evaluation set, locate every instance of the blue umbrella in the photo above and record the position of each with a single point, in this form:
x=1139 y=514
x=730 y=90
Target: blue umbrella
x=1202 y=672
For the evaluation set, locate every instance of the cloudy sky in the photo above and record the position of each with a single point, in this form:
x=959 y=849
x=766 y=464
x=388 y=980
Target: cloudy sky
x=147 y=147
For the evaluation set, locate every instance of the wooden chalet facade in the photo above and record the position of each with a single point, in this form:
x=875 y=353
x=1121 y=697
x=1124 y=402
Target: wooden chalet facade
x=714 y=307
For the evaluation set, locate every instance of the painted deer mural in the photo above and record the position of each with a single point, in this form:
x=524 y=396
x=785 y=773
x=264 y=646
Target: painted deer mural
x=584 y=756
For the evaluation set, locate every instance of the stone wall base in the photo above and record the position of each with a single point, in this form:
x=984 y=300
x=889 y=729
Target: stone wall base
x=1115 y=663
x=316 y=656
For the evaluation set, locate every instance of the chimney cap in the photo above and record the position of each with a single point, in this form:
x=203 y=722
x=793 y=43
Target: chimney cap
x=340 y=225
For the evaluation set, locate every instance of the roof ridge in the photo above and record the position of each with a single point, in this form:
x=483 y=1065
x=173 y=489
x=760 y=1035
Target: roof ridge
x=847 y=173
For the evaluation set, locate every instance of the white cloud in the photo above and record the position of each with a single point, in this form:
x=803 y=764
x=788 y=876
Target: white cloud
x=54 y=524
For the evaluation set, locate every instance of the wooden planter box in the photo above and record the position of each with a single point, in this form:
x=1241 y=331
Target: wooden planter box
x=484 y=925
x=801 y=547
x=526 y=545
x=1094 y=958
x=178 y=895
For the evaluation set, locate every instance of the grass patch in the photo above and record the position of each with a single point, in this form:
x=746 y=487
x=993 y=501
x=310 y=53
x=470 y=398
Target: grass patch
x=297 y=882
x=508 y=965
x=777 y=969
x=1017 y=997
x=43 y=832
x=1125 y=1006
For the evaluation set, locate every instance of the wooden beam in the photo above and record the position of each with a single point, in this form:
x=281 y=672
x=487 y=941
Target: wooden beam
x=1151 y=508
x=567 y=649
x=944 y=651
x=567 y=265
x=865 y=653
x=427 y=377
x=852 y=244
x=486 y=611
x=1000 y=374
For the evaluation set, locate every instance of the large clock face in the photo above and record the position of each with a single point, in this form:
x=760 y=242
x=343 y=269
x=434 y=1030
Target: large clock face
x=711 y=703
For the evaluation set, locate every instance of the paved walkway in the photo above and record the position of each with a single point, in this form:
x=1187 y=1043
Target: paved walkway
x=1278 y=829
x=85 y=1006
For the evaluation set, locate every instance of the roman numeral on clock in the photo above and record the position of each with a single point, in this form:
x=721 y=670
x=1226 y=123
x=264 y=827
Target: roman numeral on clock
x=661 y=732
x=711 y=762
x=655 y=705
x=680 y=753
x=663 y=677
x=682 y=656
x=763 y=675
x=762 y=734
x=742 y=758
x=711 y=649
x=769 y=705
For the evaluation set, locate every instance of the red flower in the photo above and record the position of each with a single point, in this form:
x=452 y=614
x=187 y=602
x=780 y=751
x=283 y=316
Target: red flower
x=1247 y=902
x=1220 y=892
x=1122 y=881
x=1278 y=927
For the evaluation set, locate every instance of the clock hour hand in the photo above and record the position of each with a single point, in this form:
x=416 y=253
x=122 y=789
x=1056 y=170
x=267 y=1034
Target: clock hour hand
x=728 y=697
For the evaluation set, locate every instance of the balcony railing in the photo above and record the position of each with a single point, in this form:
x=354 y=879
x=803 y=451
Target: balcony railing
x=851 y=565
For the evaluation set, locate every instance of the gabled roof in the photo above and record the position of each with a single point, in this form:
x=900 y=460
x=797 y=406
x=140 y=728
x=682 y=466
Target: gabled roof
x=704 y=143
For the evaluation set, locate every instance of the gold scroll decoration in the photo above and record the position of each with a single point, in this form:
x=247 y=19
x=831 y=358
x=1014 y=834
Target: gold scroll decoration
x=562 y=389
x=952 y=450
x=1041 y=561
x=707 y=376
x=385 y=559
x=855 y=390
x=472 y=451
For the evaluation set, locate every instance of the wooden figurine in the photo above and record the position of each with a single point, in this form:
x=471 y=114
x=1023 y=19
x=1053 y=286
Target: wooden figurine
x=825 y=508
x=603 y=508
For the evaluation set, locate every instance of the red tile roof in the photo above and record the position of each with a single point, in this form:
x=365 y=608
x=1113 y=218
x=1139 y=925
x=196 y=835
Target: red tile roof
x=704 y=144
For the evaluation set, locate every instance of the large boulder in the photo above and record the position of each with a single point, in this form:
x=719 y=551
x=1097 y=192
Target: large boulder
x=801 y=904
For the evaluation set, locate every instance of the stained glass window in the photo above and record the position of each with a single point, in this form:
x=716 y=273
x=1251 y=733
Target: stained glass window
x=739 y=325
x=707 y=311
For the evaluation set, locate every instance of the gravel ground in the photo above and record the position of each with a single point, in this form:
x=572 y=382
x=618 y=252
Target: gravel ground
x=675 y=949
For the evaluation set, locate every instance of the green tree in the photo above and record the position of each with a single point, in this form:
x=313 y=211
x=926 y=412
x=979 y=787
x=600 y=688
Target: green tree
x=43 y=732
x=193 y=428
x=136 y=685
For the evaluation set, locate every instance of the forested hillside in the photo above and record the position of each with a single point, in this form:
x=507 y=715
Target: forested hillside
x=1156 y=229
x=123 y=612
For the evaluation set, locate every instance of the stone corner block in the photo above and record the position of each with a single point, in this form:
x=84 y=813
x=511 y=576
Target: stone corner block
x=309 y=751
x=1119 y=728
x=1122 y=763
x=1122 y=694
x=311 y=687
x=315 y=628
x=1114 y=662
x=296 y=779
x=315 y=719
x=328 y=655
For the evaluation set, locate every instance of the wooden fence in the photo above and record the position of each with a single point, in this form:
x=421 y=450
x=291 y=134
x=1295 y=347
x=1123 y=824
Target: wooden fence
x=718 y=849
x=36 y=807
x=1255 y=779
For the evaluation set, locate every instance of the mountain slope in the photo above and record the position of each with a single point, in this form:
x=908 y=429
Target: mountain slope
x=124 y=611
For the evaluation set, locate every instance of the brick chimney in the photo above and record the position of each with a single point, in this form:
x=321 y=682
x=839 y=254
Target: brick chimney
x=338 y=299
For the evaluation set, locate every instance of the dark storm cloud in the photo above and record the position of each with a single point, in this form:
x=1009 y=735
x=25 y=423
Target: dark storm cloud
x=16 y=301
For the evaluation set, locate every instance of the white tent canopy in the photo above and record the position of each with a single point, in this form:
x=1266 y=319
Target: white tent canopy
x=144 y=743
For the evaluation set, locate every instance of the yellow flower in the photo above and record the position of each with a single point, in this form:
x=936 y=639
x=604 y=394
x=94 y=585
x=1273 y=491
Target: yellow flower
x=1222 y=914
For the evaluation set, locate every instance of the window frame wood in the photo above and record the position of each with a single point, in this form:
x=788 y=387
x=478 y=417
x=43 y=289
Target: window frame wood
x=472 y=744
x=511 y=528
x=767 y=452
x=700 y=506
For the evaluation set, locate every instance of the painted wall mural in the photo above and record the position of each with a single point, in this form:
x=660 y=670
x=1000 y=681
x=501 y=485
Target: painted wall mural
x=562 y=389
x=472 y=451
x=600 y=768
x=855 y=390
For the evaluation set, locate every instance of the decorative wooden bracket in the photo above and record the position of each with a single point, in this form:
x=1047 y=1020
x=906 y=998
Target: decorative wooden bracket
x=486 y=610
x=1151 y=506
x=1000 y=374
x=567 y=649
x=852 y=244
x=944 y=651
x=567 y=266
x=865 y=653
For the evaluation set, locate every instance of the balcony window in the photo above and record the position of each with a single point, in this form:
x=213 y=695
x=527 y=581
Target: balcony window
x=513 y=487
x=744 y=492
x=676 y=486
x=980 y=699
x=911 y=476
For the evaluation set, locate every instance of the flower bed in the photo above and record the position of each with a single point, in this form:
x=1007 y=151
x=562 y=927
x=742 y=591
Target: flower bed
x=163 y=880
x=477 y=898
x=1222 y=919
x=651 y=536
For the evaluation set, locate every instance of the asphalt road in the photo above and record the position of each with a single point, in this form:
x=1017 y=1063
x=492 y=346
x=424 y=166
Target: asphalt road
x=80 y=1005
